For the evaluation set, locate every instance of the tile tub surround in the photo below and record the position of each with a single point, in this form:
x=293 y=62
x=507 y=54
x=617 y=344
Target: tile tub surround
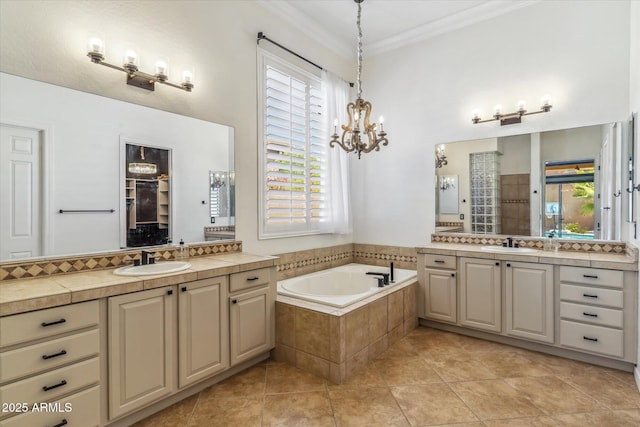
x=44 y=267
x=336 y=343
x=568 y=245
x=18 y=296
x=294 y=264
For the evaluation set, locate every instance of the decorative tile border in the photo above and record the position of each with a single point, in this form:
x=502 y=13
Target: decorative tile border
x=303 y=262
x=220 y=228
x=449 y=224
x=30 y=269
x=598 y=246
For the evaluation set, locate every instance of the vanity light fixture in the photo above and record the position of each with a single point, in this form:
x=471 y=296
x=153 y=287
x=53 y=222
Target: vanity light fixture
x=359 y=112
x=441 y=159
x=515 y=117
x=136 y=77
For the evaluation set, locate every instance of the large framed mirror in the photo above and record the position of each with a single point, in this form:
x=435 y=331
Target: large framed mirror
x=78 y=172
x=566 y=183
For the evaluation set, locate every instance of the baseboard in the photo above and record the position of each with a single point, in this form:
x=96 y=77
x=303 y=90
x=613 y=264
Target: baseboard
x=636 y=375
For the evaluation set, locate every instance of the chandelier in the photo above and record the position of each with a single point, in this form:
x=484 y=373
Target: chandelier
x=441 y=159
x=359 y=112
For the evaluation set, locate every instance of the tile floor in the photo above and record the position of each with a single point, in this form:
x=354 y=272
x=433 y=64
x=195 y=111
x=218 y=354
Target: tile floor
x=428 y=378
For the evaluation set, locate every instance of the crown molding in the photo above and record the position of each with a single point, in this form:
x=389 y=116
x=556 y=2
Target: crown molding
x=310 y=27
x=450 y=23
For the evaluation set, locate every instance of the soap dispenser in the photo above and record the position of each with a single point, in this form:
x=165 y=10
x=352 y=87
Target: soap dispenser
x=182 y=251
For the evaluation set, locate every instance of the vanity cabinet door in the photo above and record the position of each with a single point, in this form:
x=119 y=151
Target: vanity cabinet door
x=141 y=349
x=203 y=329
x=480 y=294
x=439 y=293
x=529 y=300
x=250 y=327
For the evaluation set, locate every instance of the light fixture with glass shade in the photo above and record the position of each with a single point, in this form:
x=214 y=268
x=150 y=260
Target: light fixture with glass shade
x=359 y=112
x=135 y=77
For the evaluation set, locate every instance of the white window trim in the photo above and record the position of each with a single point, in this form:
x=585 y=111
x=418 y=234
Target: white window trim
x=275 y=232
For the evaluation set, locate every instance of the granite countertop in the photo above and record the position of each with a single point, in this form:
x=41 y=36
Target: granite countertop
x=17 y=296
x=625 y=262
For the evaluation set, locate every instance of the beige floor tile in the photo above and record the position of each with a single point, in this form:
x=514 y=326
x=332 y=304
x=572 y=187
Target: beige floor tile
x=523 y=422
x=406 y=371
x=559 y=365
x=431 y=404
x=428 y=343
x=554 y=396
x=459 y=367
x=177 y=415
x=475 y=345
x=494 y=399
x=228 y=412
x=288 y=379
x=401 y=348
x=510 y=365
x=298 y=409
x=625 y=377
x=606 y=389
x=247 y=383
x=366 y=407
x=600 y=419
x=367 y=377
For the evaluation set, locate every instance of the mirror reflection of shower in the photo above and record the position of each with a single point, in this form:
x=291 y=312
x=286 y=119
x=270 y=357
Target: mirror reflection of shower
x=222 y=197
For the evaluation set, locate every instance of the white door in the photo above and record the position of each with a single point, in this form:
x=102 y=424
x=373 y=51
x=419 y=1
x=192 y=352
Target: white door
x=20 y=183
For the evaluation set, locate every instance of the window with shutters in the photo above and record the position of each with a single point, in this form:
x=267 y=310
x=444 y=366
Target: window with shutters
x=293 y=150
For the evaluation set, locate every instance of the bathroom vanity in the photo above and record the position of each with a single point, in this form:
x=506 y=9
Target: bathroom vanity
x=581 y=305
x=110 y=350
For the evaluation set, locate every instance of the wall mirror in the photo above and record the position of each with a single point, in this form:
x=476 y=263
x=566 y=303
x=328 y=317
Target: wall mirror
x=538 y=184
x=79 y=168
x=631 y=155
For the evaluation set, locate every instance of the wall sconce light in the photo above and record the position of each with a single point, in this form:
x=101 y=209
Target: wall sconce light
x=515 y=117
x=441 y=159
x=136 y=77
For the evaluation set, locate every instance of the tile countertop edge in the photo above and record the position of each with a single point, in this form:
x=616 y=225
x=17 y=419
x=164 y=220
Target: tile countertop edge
x=626 y=262
x=16 y=297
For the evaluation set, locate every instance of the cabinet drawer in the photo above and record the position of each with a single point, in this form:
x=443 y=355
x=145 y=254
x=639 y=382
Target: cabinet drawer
x=440 y=261
x=78 y=410
x=51 y=354
x=587 y=313
x=596 y=339
x=44 y=323
x=50 y=385
x=592 y=276
x=249 y=279
x=591 y=295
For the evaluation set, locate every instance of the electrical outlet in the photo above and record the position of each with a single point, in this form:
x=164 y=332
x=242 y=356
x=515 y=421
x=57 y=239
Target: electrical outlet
x=213 y=220
x=461 y=216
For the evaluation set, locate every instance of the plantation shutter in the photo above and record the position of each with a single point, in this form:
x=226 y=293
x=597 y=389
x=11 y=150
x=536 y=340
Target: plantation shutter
x=295 y=150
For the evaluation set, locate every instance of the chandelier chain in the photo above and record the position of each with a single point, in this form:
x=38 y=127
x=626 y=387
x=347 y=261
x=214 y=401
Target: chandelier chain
x=359 y=51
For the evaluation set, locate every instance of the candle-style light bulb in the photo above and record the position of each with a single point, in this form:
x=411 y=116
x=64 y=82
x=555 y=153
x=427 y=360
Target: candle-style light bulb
x=335 y=126
x=381 y=122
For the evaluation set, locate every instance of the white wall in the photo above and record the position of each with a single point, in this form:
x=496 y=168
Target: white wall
x=83 y=160
x=578 y=52
x=47 y=40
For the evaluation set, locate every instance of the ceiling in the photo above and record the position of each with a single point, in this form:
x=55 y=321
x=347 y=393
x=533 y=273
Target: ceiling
x=386 y=24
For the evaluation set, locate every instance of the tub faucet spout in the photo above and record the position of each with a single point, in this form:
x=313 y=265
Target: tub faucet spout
x=385 y=276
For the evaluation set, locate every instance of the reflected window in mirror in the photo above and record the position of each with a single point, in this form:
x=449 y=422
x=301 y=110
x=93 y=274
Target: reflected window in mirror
x=570 y=199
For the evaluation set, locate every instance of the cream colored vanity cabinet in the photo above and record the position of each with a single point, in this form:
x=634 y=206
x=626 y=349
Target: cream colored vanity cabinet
x=51 y=357
x=203 y=329
x=480 y=294
x=141 y=348
x=529 y=300
x=252 y=297
x=438 y=287
x=597 y=311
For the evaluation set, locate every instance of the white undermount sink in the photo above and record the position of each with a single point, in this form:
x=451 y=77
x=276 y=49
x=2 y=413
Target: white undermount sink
x=507 y=250
x=151 y=269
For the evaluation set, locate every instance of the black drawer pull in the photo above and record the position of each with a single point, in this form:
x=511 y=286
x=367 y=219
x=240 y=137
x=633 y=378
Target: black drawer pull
x=497 y=263
x=589 y=296
x=439 y=261
x=589 y=314
x=590 y=339
x=51 y=356
x=508 y=265
x=64 y=422
x=170 y=292
x=57 y=322
x=184 y=289
x=251 y=279
x=453 y=275
x=589 y=276
x=51 y=387
x=235 y=301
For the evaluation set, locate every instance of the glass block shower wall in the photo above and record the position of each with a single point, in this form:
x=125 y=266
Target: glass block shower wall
x=485 y=192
